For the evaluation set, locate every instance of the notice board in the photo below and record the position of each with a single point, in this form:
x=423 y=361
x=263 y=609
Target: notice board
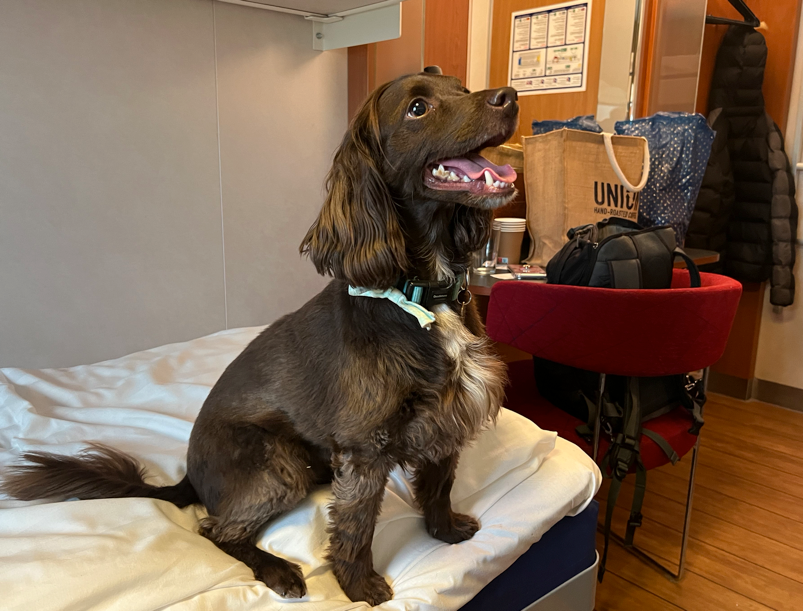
x=549 y=48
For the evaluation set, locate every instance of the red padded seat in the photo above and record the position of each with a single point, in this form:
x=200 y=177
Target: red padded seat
x=523 y=398
x=618 y=331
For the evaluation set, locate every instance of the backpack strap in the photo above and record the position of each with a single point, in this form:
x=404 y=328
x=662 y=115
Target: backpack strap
x=576 y=235
x=609 y=410
x=694 y=273
x=613 y=495
x=620 y=458
x=586 y=430
x=692 y=396
x=635 y=519
x=663 y=444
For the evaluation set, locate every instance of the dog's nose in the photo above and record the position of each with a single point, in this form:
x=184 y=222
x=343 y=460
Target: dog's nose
x=502 y=97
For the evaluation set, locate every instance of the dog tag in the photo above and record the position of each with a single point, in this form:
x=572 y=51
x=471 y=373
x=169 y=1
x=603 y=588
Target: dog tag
x=464 y=298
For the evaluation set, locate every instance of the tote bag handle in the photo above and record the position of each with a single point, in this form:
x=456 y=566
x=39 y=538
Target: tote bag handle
x=645 y=170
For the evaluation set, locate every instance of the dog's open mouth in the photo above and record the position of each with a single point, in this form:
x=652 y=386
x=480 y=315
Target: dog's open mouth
x=471 y=173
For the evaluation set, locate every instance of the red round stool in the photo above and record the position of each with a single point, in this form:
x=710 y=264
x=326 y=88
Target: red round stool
x=638 y=333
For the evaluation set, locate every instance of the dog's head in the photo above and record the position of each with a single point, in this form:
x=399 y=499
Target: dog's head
x=415 y=139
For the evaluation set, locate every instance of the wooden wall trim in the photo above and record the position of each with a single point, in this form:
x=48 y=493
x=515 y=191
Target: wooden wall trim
x=647 y=57
x=359 y=75
x=739 y=359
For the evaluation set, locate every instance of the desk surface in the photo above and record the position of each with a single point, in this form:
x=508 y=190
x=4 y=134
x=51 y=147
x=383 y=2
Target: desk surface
x=481 y=284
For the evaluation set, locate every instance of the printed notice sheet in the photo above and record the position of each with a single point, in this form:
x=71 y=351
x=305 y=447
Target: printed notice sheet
x=549 y=48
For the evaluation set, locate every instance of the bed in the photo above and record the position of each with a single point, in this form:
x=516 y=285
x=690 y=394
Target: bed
x=144 y=554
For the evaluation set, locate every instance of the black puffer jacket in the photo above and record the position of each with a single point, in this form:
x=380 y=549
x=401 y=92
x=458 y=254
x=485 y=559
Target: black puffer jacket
x=709 y=222
x=746 y=209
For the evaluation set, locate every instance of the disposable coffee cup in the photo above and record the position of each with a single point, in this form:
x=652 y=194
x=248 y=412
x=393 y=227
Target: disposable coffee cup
x=509 y=233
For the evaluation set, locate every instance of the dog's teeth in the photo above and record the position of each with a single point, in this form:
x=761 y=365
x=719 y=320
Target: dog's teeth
x=443 y=173
x=453 y=177
x=497 y=184
x=488 y=180
x=440 y=172
x=466 y=179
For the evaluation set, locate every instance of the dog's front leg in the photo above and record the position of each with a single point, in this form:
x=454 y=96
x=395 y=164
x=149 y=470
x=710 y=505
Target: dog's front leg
x=433 y=485
x=358 y=486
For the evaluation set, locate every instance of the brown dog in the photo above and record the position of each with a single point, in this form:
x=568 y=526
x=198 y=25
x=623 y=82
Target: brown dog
x=348 y=386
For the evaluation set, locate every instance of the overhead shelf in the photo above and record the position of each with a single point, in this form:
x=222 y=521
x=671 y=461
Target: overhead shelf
x=340 y=23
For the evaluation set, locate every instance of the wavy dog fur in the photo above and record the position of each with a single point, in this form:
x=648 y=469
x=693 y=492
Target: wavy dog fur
x=345 y=388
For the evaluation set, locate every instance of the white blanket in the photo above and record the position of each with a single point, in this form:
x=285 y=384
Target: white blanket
x=143 y=554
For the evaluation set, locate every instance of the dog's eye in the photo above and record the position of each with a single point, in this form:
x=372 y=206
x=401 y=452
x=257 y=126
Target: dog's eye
x=418 y=108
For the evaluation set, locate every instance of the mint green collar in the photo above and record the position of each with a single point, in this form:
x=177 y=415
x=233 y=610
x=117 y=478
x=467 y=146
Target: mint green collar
x=424 y=317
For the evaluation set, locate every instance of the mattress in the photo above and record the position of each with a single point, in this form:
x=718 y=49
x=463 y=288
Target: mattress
x=144 y=554
x=566 y=550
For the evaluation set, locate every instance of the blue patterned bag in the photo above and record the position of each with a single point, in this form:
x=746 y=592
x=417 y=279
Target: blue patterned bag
x=680 y=144
x=586 y=123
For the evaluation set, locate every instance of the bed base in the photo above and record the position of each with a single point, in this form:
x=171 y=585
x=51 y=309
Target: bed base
x=576 y=594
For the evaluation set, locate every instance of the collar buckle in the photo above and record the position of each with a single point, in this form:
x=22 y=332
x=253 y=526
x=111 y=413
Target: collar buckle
x=428 y=293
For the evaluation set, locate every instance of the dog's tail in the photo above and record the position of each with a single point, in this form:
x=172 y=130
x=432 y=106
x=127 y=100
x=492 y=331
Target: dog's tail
x=99 y=472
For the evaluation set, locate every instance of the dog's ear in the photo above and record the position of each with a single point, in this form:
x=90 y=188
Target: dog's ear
x=357 y=236
x=471 y=228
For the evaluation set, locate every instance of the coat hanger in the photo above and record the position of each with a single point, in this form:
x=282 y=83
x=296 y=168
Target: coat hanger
x=750 y=18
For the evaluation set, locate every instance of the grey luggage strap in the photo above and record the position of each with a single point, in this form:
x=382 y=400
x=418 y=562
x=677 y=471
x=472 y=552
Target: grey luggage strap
x=621 y=456
x=663 y=444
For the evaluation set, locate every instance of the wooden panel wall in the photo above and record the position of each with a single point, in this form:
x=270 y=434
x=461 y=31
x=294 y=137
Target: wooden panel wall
x=403 y=55
x=362 y=75
x=434 y=32
x=446 y=36
x=552 y=105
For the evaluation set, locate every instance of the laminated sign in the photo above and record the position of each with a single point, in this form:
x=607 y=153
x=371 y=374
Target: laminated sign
x=549 y=48
x=573 y=178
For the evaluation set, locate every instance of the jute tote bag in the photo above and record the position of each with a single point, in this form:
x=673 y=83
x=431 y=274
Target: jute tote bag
x=574 y=177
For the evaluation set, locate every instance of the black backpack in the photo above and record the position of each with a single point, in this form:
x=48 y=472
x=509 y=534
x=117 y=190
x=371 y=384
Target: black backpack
x=617 y=253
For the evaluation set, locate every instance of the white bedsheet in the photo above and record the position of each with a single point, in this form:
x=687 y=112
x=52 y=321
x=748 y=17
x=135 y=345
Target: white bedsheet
x=143 y=554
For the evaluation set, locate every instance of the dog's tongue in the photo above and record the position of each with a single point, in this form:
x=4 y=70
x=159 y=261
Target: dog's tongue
x=475 y=165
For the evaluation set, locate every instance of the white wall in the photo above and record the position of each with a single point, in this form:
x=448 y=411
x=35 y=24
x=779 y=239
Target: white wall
x=615 y=58
x=780 y=342
x=480 y=19
x=779 y=357
x=137 y=137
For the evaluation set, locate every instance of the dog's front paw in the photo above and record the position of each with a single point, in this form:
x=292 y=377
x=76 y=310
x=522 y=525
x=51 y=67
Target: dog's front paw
x=372 y=588
x=284 y=578
x=459 y=528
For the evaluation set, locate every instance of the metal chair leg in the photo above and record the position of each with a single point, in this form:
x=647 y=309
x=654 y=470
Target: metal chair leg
x=598 y=419
x=684 y=540
x=705 y=381
x=686 y=519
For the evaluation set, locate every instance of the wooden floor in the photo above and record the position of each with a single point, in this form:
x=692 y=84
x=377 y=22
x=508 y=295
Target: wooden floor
x=746 y=546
